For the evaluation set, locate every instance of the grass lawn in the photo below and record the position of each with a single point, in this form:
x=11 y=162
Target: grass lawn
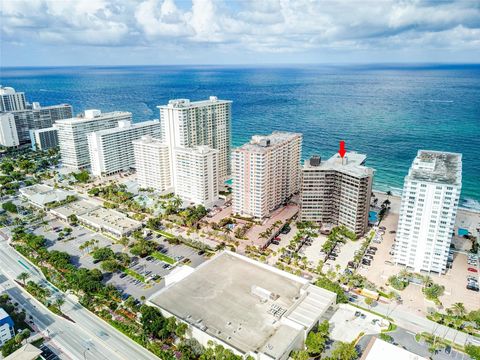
x=166 y=234
x=134 y=274
x=159 y=256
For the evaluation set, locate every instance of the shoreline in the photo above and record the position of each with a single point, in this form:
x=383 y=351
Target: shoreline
x=381 y=194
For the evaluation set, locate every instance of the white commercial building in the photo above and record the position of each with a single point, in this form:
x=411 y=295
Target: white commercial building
x=44 y=139
x=111 y=150
x=188 y=123
x=8 y=130
x=430 y=198
x=244 y=305
x=337 y=191
x=152 y=162
x=266 y=172
x=196 y=174
x=10 y=100
x=72 y=134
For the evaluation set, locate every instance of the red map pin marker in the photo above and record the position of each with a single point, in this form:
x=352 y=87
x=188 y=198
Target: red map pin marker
x=342 y=150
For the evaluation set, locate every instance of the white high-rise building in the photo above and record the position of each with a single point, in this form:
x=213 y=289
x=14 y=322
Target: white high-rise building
x=10 y=100
x=152 y=162
x=188 y=123
x=266 y=172
x=196 y=174
x=430 y=198
x=44 y=139
x=8 y=130
x=72 y=134
x=337 y=191
x=111 y=150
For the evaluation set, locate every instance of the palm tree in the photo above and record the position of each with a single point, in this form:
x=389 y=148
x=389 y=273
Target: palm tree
x=124 y=241
x=59 y=301
x=459 y=309
x=23 y=276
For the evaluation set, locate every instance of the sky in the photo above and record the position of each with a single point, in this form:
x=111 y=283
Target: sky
x=170 y=32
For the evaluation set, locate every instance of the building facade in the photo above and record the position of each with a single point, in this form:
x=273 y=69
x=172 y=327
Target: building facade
x=8 y=130
x=111 y=150
x=430 y=198
x=196 y=174
x=7 y=329
x=337 y=191
x=152 y=162
x=10 y=100
x=36 y=117
x=266 y=172
x=188 y=123
x=44 y=139
x=72 y=134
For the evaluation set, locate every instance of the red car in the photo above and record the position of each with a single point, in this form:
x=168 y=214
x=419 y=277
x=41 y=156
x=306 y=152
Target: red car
x=472 y=270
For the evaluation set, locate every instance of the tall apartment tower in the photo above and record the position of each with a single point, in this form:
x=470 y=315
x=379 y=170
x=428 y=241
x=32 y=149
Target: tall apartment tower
x=72 y=134
x=188 y=123
x=266 y=172
x=8 y=130
x=36 y=117
x=196 y=174
x=10 y=100
x=111 y=150
x=152 y=162
x=337 y=191
x=430 y=198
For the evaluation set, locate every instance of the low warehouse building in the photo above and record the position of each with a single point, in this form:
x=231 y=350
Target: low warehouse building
x=244 y=305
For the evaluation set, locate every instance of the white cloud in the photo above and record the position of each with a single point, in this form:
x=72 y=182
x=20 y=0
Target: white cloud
x=257 y=26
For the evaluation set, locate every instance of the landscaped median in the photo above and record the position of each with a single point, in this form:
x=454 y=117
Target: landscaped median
x=134 y=274
x=162 y=257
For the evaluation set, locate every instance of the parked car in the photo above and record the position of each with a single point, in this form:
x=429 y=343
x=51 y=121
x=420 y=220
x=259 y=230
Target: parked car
x=471 y=269
x=473 y=288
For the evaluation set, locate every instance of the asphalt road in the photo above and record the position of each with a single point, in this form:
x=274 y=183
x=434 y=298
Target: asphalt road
x=89 y=338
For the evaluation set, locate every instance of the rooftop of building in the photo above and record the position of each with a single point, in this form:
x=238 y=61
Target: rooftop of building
x=3 y=314
x=110 y=219
x=197 y=150
x=151 y=141
x=437 y=166
x=379 y=350
x=248 y=305
x=186 y=103
x=43 y=194
x=264 y=143
x=26 y=352
x=93 y=115
x=78 y=207
x=352 y=164
x=38 y=131
x=6 y=90
x=125 y=125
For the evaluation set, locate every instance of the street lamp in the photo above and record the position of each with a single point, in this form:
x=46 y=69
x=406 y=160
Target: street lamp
x=85 y=353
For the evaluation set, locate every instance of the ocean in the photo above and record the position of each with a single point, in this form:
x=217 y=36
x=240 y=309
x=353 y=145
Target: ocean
x=386 y=112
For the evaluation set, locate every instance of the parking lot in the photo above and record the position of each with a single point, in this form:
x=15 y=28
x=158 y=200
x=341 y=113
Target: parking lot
x=455 y=280
x=348 y=322
x=150 y=268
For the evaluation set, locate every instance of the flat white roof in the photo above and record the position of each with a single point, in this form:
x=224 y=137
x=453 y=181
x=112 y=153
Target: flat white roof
x=246 y=304
x=380 y=350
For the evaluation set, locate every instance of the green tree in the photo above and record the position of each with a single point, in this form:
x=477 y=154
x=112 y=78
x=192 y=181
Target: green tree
x=10 y=207
x=459 y=309
x=344 y=351
x=473 y=351
x=23 y=277
x=103 y=254
x=300 y=355
x=110 y=265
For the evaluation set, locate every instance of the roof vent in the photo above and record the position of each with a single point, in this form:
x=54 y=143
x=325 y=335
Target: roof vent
x=315 y=160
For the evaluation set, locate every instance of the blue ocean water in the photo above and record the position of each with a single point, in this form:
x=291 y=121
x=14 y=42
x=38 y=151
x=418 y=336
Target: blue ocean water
x=387 y=112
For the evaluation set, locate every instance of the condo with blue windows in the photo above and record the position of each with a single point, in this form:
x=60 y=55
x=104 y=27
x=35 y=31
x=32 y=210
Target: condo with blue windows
x=7 y=330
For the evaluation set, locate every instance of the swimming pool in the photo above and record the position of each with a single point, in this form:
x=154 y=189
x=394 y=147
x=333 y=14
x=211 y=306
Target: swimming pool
x=372 y=216
x=462 y=232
